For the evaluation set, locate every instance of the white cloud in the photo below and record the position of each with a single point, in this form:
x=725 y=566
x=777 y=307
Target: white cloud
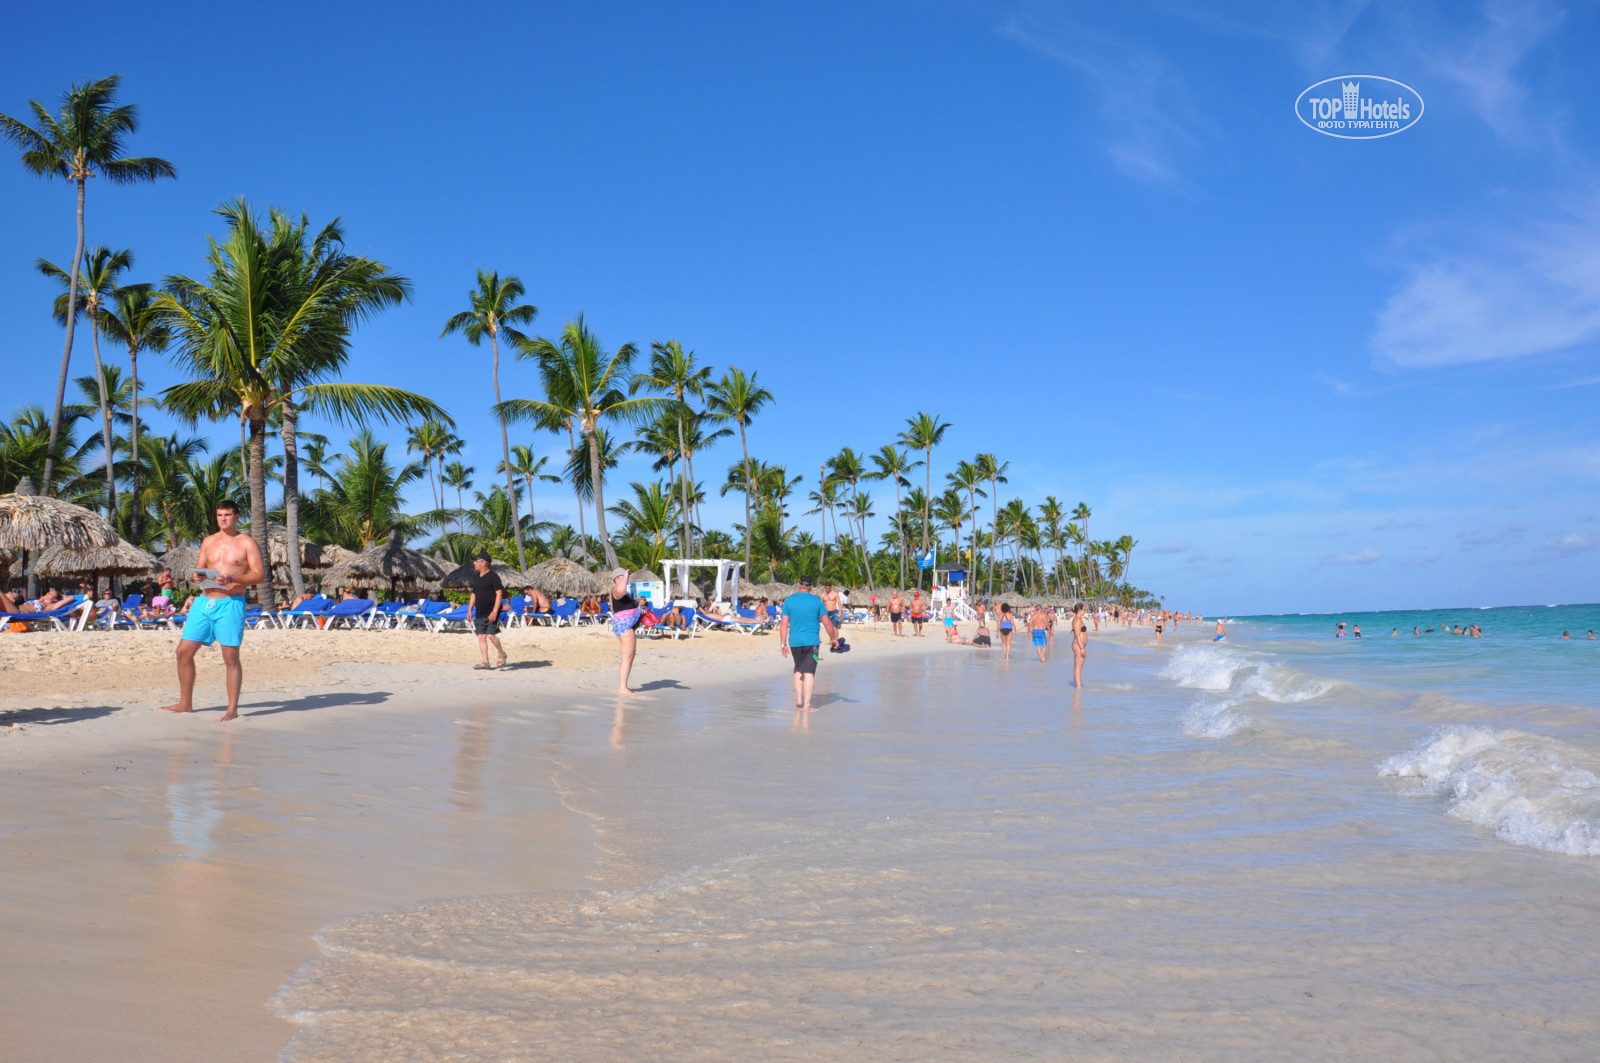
x=1483 y=64
x=1563 y=548
x=1518 y=296
x=1169 y=548
x=1359 y=557
x=1490 y=536
x=1421 y=560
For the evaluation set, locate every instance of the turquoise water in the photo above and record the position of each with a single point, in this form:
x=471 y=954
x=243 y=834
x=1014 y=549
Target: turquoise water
x=1521 y=657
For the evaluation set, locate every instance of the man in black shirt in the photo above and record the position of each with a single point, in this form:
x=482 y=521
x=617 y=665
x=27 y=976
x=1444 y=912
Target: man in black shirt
x=487 y=594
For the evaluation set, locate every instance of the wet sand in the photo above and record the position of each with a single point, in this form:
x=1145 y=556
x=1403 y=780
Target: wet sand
x=161 y=877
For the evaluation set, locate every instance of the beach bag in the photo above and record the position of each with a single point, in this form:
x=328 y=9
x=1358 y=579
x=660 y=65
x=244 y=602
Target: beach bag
x=17 y=628
x=648 y=618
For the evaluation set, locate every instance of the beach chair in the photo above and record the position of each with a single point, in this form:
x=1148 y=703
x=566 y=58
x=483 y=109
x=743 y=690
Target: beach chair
x=388 y=614
x=420 y=613
x=441 y=622
x=308 y=611
x=352 y=612
x=60 y=618
x=565 y=613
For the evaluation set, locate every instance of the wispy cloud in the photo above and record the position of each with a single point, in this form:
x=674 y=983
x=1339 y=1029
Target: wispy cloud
x=1508 y=297
x=1169 y=548
x=1491 y=536
x=1564 y=547
x=1420 y=560
x=1359 y=557
x=1483 y=61
x=1395 y=525
x=1146 y=119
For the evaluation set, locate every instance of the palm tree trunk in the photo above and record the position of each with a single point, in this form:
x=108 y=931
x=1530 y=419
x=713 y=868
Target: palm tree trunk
x=744 y=443
x=258 y=504
x=136 y=526
x=66 y=351
x=927 y=500
x=105 y=421
x=822 y=511
x=994 y=525
x=291 y=493
x=600 y=499
x=583 y=534
x=505 y=453
x=688 y=545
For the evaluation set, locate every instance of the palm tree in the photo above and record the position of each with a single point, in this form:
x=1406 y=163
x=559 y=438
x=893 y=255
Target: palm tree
x=99 y=271
x=459 y=476
x=429 y=438
x=893 y=465
x=738 y=398
x=583 y=384
x=524 y=464
x=826 y=496
x=1081 y=514
x=1052 y=513
x=994 y=470
x=165 y=461
x=967 y=477
x=846 y=468
x=580 y=473
x=951 y=511
x=84 y=140
x=495 y=309
x=924 y=432
x=364 y=503
x=1017 y=520
x=262 y=334
x=673 y=370
x=133 y=319
x=1125 y=546
x=651 y=512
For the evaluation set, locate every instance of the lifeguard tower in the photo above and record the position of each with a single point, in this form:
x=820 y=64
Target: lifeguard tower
x=950 y=591
x=677 y=576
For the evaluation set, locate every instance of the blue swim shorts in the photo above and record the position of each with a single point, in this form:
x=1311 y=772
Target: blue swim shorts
x=1041 y=637
x=215 y=620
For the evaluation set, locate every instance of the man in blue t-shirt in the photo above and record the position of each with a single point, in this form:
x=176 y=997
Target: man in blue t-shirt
x=800 y=631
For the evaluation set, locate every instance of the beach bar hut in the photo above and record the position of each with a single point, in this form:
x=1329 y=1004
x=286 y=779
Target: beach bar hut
x=391 y=563
x=561 y=577
x=514 y=579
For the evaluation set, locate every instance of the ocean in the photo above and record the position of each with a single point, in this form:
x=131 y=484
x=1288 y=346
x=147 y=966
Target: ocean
x=1279 y=846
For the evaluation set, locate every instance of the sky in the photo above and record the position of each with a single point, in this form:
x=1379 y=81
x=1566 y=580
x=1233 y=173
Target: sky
x=1304 y=373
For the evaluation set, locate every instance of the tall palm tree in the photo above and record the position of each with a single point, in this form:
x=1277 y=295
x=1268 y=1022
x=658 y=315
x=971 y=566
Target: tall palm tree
x=429 y=439
x=459 y=475
x=98 y=273
x=1052 y=513
x=1081 y=513
x=84 y=140
x=133 y=319
x=262 y=334
x=924 y=432
x=1017 y=520
x=495 y=309
x=673 y=371
x=364 y=503
x=967 y=477
x=994 y=470
x=650 y=513
x=826 y=496
x=846 y=468
x=584 y=384
x=1125 y=547
x=531 y=469
x=738 y=398
x=892 y=464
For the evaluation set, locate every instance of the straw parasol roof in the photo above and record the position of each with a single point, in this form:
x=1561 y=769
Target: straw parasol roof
x=34 y=522
x=389 y=562
x=183 y=560
x=122 y=559
x=510 y=577
x=560 y=577
x=312 y=555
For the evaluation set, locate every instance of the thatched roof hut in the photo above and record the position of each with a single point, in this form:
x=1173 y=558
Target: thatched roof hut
x=513 y=579
x=391 y=563
x=563 y=578
x=121 y=559
x=312 y=555
x=33 y=522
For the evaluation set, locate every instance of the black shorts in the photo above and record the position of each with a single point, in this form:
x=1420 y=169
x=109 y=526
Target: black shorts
x=484 y=626
x=919 y=619
x=895 y=618
x=805 y=659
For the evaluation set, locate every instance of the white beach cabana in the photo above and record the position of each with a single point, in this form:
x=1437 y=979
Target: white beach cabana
x=676 y=571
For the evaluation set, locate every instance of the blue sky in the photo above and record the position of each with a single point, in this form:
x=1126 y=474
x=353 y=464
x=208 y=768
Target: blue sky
x=1304 y=373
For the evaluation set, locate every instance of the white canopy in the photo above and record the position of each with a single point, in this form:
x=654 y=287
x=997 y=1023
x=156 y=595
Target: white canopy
x=727 y=576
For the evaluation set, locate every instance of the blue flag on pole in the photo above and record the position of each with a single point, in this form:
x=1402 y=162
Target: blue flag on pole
x=926 y=560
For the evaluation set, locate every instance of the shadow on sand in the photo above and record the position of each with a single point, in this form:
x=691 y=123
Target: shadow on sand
x=522 y=666
x=313 y=702
x=63 y=715
x=661 y=684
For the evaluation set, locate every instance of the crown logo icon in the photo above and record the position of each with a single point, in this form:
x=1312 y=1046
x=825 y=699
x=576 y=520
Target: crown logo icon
x=1352 y=97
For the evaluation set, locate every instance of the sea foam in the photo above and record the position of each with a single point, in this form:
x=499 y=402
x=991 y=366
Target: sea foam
x=1527 y=788
x=1231 y=677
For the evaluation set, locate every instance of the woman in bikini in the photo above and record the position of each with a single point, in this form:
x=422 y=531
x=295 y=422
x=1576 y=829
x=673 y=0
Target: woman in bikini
x=1080 y=644
x=1008 y=626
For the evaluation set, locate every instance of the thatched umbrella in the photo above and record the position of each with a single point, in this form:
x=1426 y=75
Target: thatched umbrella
x=563 y=578
x=311 y=554
x=459 y=578
x=33 y=522
x=388 y=562
x=183 y=560
x=122 y=559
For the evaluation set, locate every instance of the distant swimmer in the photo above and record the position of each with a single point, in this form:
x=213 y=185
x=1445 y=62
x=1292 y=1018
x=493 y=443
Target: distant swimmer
x=1357 y=629
x=1338 y=632
x=1591 y=634
x=1566 y=634
x=1222 y=632
x=1415 y=630
x=1395 y=633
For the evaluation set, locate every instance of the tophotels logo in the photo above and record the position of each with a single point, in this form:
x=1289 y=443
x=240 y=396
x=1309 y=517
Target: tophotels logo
x=1359 y=107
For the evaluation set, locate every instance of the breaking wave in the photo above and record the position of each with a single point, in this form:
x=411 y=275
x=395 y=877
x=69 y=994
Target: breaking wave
x=1232 y=677
x=1525 y=787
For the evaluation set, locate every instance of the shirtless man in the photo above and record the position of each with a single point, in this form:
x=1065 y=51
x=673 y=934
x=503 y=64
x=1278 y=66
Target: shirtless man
x=1039 y=628
x=830 y=602
x=1080 y=644
x=219 y=615
x=897 y=613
